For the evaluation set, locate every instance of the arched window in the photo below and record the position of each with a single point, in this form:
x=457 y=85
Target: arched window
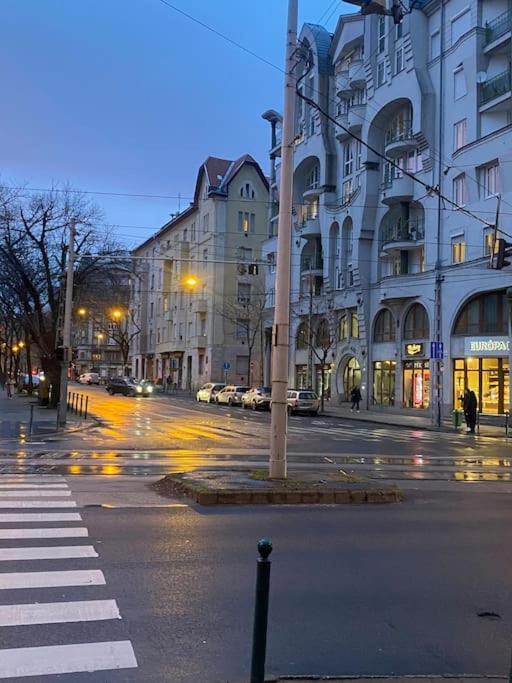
x=323 y=334
x=354 y=325
x=384 y=330
x=301 y=340
x=344 y=327
x=485 y=314
x=416 y=323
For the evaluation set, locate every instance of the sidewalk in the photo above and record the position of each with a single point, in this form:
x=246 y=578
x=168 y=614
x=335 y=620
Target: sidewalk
x=15 y=418
x=397 y=419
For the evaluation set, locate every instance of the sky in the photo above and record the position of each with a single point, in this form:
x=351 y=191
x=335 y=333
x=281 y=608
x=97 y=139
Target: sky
x=129 y=96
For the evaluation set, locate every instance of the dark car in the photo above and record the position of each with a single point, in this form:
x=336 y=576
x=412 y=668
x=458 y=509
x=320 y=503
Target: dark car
x=121 y=385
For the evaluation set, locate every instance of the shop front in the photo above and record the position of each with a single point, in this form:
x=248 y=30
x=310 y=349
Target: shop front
x=482 y=364
x=384 y=382
x=416 y=377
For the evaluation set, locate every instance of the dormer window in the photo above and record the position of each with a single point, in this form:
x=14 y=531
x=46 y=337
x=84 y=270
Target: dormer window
x=247 y=192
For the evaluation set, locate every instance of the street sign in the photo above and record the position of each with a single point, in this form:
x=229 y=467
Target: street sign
x=226 y=365
x=437 y=350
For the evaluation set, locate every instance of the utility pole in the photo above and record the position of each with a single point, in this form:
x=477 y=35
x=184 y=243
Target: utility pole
x=66 y=330
x=281 y=329
x=438 y=332
x=310 y=332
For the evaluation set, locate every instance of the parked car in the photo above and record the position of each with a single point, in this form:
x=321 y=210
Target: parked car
x=303 y=402
x=231 y=394
x=89 y=378
x=208 y=391
x=257 y=398
x=129 y=387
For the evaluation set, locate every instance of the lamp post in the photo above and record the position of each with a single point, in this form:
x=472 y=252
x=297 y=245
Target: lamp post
x=509 y=299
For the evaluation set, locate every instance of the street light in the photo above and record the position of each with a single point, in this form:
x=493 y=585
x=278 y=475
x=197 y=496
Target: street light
x=21 y=344
x=82 y=311
x=117 y=314
x=190 y=281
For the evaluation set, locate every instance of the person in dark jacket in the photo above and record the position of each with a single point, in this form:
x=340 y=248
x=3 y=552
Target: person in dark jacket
x=469 y=405
x=355 y=397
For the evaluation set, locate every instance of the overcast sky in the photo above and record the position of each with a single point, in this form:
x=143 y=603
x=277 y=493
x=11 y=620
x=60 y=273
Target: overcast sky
x=129 y=96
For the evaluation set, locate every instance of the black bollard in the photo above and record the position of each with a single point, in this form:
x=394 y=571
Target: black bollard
x=86 y=406
x=81 y=403
x=259 y=635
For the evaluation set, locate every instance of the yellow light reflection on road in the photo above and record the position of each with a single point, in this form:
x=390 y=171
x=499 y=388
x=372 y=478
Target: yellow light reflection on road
x=111 y=469
x=75 y=469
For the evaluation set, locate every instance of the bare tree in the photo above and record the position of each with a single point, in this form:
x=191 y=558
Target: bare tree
x=246 y=313
x=33 y=253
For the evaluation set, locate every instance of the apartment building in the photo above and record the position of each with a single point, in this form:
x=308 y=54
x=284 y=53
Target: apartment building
x=377 y=256
x=198 y=291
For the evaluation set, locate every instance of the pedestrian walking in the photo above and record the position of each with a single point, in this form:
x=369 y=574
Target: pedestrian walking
x=355 y=397
x=9 y=383
x=168 y=384
x=469 y=405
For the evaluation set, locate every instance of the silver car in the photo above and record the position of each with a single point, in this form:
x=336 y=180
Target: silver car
x=257 y=398
x=303 y=401
x=232 y=395
x=208 y=391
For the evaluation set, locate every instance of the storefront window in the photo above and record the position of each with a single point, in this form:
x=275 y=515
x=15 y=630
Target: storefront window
x=416 y=384
x=384 y=373
x=301 y=376
x=487 y=377
x=351 y=377
x=320 y=379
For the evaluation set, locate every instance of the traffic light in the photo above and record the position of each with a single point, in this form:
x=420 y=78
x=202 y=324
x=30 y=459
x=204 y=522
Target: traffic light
x=501 y=251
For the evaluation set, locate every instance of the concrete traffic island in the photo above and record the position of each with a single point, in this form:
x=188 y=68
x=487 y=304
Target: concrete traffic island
x=253 y=487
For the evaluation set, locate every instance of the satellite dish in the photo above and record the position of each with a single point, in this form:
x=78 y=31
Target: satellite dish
x=481 y=77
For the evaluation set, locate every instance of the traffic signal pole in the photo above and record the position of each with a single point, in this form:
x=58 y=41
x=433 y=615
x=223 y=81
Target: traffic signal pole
x=66 y=331
x=281 y=328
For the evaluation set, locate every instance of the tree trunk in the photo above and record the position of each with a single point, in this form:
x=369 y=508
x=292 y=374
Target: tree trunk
x=249 y=369
x=51 y=368
x=29 y=366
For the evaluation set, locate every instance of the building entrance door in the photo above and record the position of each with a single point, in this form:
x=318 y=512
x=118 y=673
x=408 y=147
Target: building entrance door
x=351 y=376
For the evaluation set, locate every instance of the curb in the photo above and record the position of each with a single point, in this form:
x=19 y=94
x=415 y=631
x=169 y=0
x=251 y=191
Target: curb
x=283 y=496
x=409 y=678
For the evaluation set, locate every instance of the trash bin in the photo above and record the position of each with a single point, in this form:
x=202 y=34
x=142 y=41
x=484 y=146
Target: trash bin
x=457 y=418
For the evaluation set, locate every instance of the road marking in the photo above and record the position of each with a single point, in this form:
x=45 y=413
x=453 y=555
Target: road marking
x=72 y=532
x=37 y=504
x=47 y=553
x=62 y=659
x=93 y=577
x=34 y=493
x=36 y=487
x=40 y=517
x=58 y=612
x=32 y=477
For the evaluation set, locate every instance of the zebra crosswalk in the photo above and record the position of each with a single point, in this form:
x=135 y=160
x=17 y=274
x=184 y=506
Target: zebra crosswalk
x=49 y=581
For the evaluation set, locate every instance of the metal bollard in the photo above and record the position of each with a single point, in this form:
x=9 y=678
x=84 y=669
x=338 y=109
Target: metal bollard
x=81 y=403
x=506 y=423
x=76 y=404
x=259 y=634
x=68 y=400
x=31 y=420
x=86 y=407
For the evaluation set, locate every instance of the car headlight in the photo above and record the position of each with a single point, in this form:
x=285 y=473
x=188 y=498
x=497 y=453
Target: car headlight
x=150 y=389
x=139 y=390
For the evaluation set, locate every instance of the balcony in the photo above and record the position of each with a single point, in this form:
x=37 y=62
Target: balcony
x=356 y=117
x=356 y=75
x=400 y=140
x=495 y=93
x=200 y=306
x=397 y=189
x=199 y=341
x=343 y=87
x=402 y=234
x=498 y=32
x=307 y=221
x=312 y=264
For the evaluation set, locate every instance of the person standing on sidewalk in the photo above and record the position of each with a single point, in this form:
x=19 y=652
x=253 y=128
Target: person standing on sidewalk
x=168 y=384
x=8 y=386
x=469 y=404
x=355 y=397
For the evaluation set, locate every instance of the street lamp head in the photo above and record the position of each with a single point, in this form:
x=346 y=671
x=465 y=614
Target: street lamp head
x=100 y=336
x=82 y=311
x=190 y=281
x=21 y=344
x=117 y=314
x=15 y=348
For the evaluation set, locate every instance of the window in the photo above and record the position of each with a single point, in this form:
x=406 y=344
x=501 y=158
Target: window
x=381 y=74
x=189 y=331
x=344 y=327
x=271 y=260
x=485 y=314
x=242 y=327
x=346 y=191
x=399 y=30
x=460 y=25
x=354 y=325
x=180 y=328
x=246 y=222
x=384 y=330
x=459 y=83
x=435 y=44
x=242 y=365
x=458 y=249
x=301 y=340
x=381 y=34
x=152 y=281
x=247 y=192
x=185 y=235
x=245 y=255
x=384 y=376
x=348 y=159
x=416 y=323
x=181 y=299
x=460 y=134
x=323 y=335
x=151 y=309
x=244 y=293
x=459 y=189
x=399 y=60
x=193 y=232
x=489 y=242
x=206 y=223
x=489 y=180
x=202 y=325
x=312 y=125
x=201 y=364
x=313 y=178
x=359 y=147
x=205 y=258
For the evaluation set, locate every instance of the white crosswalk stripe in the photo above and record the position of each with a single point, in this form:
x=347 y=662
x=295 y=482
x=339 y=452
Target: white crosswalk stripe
x=44 y=495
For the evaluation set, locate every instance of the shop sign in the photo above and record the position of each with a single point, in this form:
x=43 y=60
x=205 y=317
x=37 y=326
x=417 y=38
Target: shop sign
x=490 y=346
x=414 y=349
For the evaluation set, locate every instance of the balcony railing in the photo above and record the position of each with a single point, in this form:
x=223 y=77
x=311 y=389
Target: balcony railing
x=403 y=230
x=399 y=133
x=495 y=87
x=313 y=262
x=498 y=27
